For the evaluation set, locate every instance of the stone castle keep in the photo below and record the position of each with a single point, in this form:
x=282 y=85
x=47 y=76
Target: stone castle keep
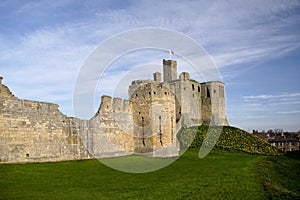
x=147 y=123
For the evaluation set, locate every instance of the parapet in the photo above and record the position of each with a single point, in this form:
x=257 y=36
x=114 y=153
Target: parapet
x=116 y=105
x=126 y=106
x=137 y=82
x=106 y=104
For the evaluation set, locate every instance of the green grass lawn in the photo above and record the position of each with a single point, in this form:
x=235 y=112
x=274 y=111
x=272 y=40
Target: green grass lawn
x=228 y=172
x=220 y=175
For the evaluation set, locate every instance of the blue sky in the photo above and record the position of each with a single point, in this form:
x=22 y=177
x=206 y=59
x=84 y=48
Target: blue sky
x=254 y=44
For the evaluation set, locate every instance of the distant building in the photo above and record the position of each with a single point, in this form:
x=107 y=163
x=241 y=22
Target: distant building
x=285 y=141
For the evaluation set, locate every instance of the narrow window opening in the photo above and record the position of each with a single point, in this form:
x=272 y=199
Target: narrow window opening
x=172 y=134
x=143 y=132
x=165 y=92
x=27 y=155
x=198 y=88
x=193 y=87
x=207 y=92
x=136 y=95
x=160 y=133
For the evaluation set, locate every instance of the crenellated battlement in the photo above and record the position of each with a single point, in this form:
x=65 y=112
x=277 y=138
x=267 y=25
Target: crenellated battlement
x=114 y=105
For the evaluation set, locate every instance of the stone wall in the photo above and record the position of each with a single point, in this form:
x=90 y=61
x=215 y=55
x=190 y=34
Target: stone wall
x=110 y=131
x=32 y=131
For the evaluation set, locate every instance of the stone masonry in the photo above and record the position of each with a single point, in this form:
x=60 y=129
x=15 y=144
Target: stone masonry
x=146 y=124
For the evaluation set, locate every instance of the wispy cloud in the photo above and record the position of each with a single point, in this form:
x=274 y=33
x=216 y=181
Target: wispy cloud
x=289 y=112
x=268 y=96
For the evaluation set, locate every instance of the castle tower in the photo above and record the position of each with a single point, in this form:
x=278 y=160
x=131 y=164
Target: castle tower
x=213 y=103
x=188 y=94
x=170 y=70
x=154 y=116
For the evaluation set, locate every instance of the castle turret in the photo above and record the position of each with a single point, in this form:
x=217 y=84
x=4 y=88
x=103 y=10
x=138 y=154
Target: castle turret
x=170 y=70
x=184 y=76
x=213 y=103
x=157 y=76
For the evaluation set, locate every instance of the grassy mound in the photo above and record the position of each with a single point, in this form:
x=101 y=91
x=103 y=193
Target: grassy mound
x=231 y=138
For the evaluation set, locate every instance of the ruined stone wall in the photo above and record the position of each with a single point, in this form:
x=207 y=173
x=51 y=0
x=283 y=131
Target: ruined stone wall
x=110 y=131
x=32 y=131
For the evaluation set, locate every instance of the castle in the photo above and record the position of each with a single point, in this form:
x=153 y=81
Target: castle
x=146 y=123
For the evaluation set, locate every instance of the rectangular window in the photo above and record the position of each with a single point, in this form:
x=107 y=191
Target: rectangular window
x=207 y=92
